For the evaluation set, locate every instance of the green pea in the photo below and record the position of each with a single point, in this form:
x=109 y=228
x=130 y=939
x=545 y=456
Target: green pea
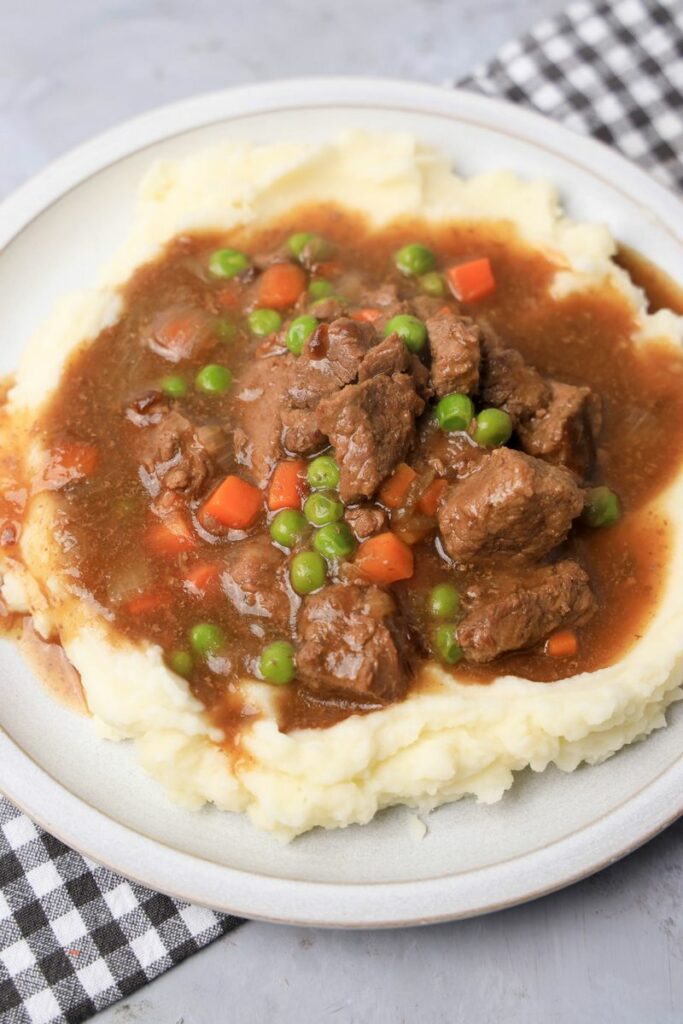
x=228 y=262
x=277 y=663
x=454 y=412
x=288 y=527
x=299 y=331
x=323 y=472
x=174 y=386
x=323 y=508
x=298 y=242
x=410 y=330
x=414 y=259
x=181 y=663
x=307 y=572
x=335 y=540
x=494 y=427
x=601 y=507
x=225 y=329
x=446 y=643
x=206 y=638
x=264 y=321
x=306 y=245
x=433 y=284
x=320 y=288
x=444 y=601
x=214 y=379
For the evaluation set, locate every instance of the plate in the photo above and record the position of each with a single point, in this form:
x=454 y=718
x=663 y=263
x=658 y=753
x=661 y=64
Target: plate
x=550 y=829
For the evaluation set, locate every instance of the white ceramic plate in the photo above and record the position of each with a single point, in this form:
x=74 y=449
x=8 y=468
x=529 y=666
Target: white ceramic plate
x=550 y=829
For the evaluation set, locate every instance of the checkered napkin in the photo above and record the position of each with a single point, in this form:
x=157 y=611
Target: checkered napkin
x=614 y=70
x=74 y=937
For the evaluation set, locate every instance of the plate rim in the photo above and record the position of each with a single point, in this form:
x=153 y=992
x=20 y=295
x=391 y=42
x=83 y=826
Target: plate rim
x=327 y=904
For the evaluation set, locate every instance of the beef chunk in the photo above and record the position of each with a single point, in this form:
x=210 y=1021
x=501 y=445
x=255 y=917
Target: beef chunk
x=365 y=520
x=513 y=507
x=329 y=309
x=261 y=389
x=372 y=426
x=147 y=408
x=386 y=300
x=353 y=640
x=392 y=356
x=384 y=297
x=174 y=458
x=450 y=455
x=508 y=383
x=454 y=344
x=516 y=611
x=426 y=306
x=564 y=431
x=331 y=359
x=253 y=579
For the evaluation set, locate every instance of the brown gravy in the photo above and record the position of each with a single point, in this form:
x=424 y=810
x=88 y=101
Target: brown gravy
x=582 y=339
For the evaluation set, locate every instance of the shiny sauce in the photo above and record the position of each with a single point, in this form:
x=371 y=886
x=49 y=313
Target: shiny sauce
x=581 y=339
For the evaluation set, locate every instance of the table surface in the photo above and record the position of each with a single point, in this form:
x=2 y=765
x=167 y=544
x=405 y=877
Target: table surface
x=609 y=948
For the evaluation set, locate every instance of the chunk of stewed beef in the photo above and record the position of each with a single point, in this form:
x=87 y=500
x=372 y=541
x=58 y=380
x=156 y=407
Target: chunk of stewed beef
x=455 y=349
x=513 y=507
x=353 y=641
x=372 y=427
x=391 y=356
x=174 y=457
x=365 y=520
x=147 y=408
x=257 y=412
x=328 y=309
x=508 y=383
x=253 y=579
x=564 y=431
x=330 y=359
x=426 y=306
x=387 y=302
x=450 y=455
x=513 y=612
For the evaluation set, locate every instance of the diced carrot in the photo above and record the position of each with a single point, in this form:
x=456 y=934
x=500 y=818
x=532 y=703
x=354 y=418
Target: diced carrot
x=384 y=559
x=429 y=499
x=330 y=268
x=394 y=491
x=563 y=644
x=149 y=601
x=202 y=578
x=165 y=539
x=70 y=462
x=281 y=285
x=235 y=503
x=367 y=315
x=471 y=281
x=287 y=485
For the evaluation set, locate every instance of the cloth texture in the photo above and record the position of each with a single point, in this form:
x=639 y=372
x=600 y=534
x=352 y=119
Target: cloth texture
x=74 y=936
x=612 y=70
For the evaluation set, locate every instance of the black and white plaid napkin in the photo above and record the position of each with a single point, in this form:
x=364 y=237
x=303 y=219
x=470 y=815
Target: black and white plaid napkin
x=74 y=937
x=613 y=70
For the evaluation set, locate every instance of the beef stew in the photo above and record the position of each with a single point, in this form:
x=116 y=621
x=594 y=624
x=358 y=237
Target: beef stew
x=296 y=461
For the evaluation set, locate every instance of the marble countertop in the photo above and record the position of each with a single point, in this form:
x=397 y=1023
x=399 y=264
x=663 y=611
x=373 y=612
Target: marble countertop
x=609 y=948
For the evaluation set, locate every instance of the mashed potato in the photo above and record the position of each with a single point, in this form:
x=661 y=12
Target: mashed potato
x=435 y=746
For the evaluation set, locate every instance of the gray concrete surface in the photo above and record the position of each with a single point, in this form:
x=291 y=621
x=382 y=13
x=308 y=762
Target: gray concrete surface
x=609 y=949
